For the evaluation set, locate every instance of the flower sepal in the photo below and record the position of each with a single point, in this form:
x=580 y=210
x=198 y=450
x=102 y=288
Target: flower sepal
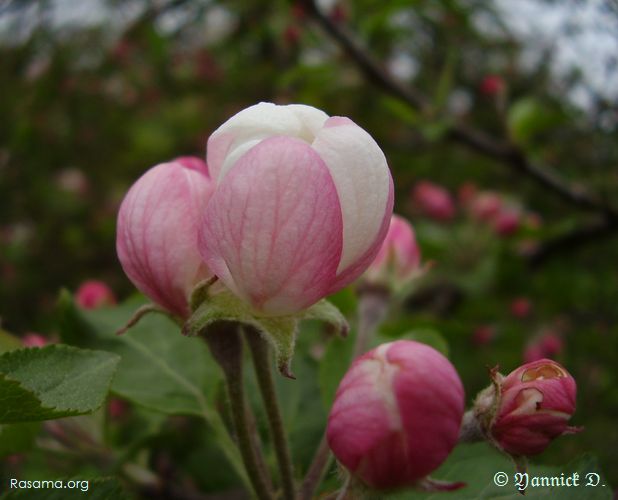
x=212 y=303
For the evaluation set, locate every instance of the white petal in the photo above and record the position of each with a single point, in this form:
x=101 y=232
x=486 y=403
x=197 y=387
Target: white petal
x=361 y=176
x=255 y=123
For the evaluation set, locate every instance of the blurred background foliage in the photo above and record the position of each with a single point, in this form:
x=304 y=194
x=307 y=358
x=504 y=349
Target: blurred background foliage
x=95 y=92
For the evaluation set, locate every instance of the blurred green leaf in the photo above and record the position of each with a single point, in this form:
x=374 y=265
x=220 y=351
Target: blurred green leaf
x=333 y=367
x=52 y=382
x=16 y=438
x=477 y=464
x=97 y=489
x=528 y=117
x=8 y=342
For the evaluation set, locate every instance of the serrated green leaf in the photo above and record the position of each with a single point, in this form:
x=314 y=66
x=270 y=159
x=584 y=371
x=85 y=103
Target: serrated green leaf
x=52 y=382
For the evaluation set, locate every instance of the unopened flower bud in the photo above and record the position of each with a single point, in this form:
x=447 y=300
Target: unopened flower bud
x=399 y=258
x=396 y=415
x=32 y=339
x=433 y=201
x=302 y=205
x=524 y=411
x=156 y=236
x=93 y=294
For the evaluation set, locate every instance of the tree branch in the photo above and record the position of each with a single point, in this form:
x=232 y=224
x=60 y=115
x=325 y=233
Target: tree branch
x=508 y=154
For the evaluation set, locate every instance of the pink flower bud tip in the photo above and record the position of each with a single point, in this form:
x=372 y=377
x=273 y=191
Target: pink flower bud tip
x=396 y=414
x=156 y=238
x=93 y=294
x=521 y=307
x=486 y=206
x=536 y=402
x=32 y=339
x=507 y=222
x=301 y=206
x=399 y=257
x=492 y=85
x=433 y=201
x=483 y=335
x=117 y=408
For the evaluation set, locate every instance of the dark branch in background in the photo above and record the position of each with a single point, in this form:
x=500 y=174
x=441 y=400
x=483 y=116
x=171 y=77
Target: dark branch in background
x=477 y=140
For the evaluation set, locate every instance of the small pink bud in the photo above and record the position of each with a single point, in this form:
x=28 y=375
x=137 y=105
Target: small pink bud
x=302 y=205
x=536 y=402
x=486 y=206
x=32 y=339
x=521 y=307
x=399 y=257
x=93 y=294
x=117 y=408
x=483 y=335
x=507 y=222
x=433 y=201
x=291 y=35
x=492 y=85
x=533 y=352
x=551 y=343
x=156 y=236
x=396 y=414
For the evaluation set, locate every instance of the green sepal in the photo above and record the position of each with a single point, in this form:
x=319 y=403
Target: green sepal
x=279 y=331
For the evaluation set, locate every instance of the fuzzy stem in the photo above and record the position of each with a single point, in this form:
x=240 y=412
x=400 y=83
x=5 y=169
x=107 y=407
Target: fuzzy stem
x=263 y=369
x=470 y=431
x=225 y=344
x=372 y=307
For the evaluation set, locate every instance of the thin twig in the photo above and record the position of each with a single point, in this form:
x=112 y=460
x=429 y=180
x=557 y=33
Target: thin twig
x=474 y=139
x=315 y=473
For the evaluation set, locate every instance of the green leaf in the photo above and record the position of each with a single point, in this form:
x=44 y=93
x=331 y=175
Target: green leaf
x=52 y=382
x=529 y=117
x=16 y=438
x=476 y=464
x=333 y=367
x=97 y=489
x=8 y=342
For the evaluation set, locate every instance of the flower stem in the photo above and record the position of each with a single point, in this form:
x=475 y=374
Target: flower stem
x=225 y=344
x=263 y=369
x=372 y=307
x=470 y=431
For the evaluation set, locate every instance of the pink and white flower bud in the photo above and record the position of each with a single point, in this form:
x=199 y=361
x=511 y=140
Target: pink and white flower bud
x=302 y=205
x=93 y=294
x=399 y=257
x=156 y=237
x=536 y=402
x=32 y=339
x=507 y=222
x=486 y=206
x=396 y=414
x=433 y=201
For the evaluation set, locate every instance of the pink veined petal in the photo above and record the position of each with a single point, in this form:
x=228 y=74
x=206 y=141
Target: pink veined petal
x=157 y=234
x=364 y=186
x=251 y=125
x=272 y=230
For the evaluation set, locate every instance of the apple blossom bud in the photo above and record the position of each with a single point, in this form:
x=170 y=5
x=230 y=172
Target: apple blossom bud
x=521 y=307
x=524 y=411
x=483 y=335
x=486 y=206
x=399 y=257
x=548 y=345
x=507 y=222
x=302 y=205
x=93 y=294
x=117 y=408
x=32 y=339
x=492 y=85
x=396 y=414
x=433 y=201
x=156 y=236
